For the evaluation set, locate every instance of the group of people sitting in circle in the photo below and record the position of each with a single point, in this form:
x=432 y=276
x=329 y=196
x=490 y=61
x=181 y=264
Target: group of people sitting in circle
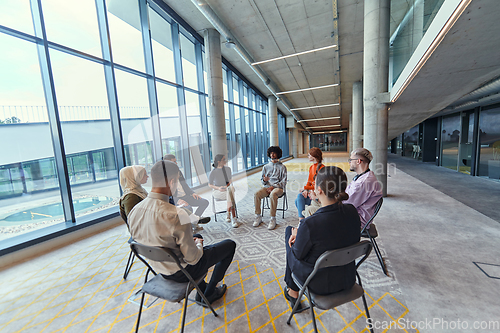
x=331 y=216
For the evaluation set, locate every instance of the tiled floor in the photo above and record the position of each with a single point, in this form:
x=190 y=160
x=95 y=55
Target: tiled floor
x=80 y=288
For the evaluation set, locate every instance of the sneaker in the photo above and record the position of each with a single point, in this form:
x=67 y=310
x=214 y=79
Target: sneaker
x=217 y=294
x=228 y=218
x=272 y=223
x=258 y=220
x=204 y=220
x=235 y=223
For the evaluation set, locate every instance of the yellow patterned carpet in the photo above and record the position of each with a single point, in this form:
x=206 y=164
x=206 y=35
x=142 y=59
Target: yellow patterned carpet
x=80 y=288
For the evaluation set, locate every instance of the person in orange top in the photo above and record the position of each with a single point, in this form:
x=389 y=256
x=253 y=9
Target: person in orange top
x=303 y=198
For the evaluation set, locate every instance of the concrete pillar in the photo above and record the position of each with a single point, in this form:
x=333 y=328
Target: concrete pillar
x=375 y=81
x=300 y=144
x=357 y=115
x=307 y=143
x=215 y=91
x=295 y=142
x=273 y=121
x=349 y=135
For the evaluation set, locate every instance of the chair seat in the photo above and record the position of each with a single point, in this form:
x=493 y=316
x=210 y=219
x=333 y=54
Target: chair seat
x=373 y=231
x=167 y=289
x=325 y=302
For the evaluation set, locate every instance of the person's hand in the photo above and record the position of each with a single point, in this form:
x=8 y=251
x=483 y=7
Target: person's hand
x=312 y=195
x=269 y=189
x=181 y=203
x=198 y=241
x=266 y=179
x=305 y=193
x=196 y=196
x=291 y=240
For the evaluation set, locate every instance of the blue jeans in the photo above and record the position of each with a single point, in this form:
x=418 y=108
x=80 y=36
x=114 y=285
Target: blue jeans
x=301 y=203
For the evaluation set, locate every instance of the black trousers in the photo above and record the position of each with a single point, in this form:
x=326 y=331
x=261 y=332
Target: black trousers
x=220 y=254
x=288 y=271
x=201 y=203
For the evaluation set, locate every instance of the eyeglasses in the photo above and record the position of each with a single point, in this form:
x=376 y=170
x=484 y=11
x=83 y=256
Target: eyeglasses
x=352 y=159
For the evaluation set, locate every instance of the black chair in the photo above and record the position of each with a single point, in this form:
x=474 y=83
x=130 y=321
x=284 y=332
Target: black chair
x=162 y=288
x=339 y=257
x=265 y=204
x=221 y=211
x=372 y=233
x=130 y=261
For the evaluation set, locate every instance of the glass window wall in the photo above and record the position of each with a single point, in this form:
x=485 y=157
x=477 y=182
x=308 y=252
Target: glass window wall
x=489 y=143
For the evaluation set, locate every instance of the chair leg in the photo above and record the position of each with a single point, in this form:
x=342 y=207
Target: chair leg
x=367 y=312
x=139 y=315
x=379 y=255
x=312 y=311
x=185 y=307
x=198 y=290
x=130 y=262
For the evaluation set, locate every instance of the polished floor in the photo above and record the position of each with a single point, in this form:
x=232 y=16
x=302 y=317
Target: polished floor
x=436 y=271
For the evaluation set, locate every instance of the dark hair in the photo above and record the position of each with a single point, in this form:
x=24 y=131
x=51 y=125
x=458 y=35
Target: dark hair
x=217 y=159
x=316 y=153
x=333 y=182
x=169 y=157
x=274 y=149
x=163 y=172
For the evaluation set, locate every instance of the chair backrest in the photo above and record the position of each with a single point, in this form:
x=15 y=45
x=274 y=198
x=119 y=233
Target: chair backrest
x=343 y=256
x=377 y=208
x=155 y=253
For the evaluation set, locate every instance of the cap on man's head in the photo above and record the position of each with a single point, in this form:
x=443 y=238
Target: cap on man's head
x=364 y=153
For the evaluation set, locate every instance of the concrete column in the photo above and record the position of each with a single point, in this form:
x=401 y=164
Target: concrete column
x=307 y=143
x=215 y=91
x=273 y=121
x=295 y=142
x=300 y=144
x=375 y=81
x=357 y=115
x=350 y=135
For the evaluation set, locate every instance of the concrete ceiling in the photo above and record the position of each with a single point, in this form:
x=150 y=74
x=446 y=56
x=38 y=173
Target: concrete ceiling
x=268 y=29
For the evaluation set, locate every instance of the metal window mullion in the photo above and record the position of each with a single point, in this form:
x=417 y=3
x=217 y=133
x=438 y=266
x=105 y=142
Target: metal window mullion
x=253 y=148
x=203 y=104
x=475 y=144
x=232 y=127
x=181 y=101
x=109 y=76
x=53 y=113
x=259 y=135
x=242 y=125
x=152 y=94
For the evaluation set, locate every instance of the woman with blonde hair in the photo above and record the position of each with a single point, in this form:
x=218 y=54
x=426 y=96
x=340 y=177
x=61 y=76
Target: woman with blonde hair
x=220 y=182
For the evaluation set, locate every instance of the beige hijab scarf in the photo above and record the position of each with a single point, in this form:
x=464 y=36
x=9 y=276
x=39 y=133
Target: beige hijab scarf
x=130 y=181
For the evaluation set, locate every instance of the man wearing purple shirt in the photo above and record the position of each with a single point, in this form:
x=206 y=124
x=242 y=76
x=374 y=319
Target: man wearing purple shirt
x=364 y=190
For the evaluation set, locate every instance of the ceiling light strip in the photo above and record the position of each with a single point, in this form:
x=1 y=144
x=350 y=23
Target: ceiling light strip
x=322 y=126
x=314 y=107
x=317 y=119
x=293 y=55
x=435 y=43
x=340 y=131
x=306 y=89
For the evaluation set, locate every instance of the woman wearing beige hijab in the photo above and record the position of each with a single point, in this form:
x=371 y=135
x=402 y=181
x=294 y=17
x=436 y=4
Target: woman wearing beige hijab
x=131 y=180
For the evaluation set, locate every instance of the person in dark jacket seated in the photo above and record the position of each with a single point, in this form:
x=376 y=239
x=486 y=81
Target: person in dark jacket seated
x=333 y=226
